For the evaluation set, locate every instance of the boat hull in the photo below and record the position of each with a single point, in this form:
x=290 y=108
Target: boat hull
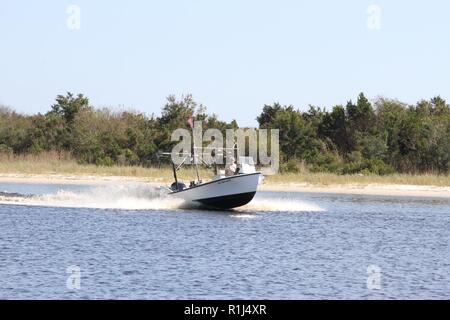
x=225 y=193
x=228 y=202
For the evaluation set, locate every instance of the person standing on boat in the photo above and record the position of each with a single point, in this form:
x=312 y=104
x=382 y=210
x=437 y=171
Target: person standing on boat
x=231 y=167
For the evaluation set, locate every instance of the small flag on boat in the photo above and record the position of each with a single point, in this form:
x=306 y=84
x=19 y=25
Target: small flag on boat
x=191 y=122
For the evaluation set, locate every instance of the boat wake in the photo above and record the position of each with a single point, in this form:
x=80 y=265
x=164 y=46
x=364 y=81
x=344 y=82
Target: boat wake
x=124 y=196
x=139 y=196
x=279 y=205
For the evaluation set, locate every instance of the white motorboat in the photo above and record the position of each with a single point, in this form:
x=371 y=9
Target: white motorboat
x=223 y=191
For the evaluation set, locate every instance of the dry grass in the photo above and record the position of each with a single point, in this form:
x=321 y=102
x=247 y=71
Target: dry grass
x=62 y=164
x=55 y=164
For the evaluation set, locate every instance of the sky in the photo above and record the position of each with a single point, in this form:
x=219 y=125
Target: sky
x=233 y=56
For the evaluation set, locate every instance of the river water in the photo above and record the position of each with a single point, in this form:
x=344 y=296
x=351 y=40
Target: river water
x=129 y=242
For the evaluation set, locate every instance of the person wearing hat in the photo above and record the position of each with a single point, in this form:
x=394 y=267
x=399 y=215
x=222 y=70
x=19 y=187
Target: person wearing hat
x=231 y=167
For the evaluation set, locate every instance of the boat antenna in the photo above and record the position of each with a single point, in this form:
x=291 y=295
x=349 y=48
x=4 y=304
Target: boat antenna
x=191 y=124
x=175 y=174
x=213 y=154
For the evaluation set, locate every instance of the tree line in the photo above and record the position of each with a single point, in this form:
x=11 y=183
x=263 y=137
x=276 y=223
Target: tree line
x=382 y=137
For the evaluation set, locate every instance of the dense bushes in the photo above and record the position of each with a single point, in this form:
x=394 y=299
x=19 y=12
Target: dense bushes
x=99 y=136
x=358 y=138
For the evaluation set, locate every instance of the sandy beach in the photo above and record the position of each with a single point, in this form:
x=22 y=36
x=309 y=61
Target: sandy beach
x=356 y=189
x=370 y=189
x=69 y=179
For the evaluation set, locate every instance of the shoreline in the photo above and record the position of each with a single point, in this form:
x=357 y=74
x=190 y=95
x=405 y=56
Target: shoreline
x=373 y=189
x=398 y=190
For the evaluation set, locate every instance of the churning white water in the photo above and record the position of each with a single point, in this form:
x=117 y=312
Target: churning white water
x=123 y=196
x=274 y=204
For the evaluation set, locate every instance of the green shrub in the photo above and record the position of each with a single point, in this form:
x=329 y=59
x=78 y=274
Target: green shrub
x=326 y=162
x=367 y=167
x=377 y=166
x=352 y=168
x=105 y=162
x=4 y=149
x=290 y=167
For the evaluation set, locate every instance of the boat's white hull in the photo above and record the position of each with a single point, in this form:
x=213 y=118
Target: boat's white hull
x=225 y=193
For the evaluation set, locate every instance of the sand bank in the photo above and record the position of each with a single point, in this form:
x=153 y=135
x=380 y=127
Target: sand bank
x=370 y=189
x=68 y=179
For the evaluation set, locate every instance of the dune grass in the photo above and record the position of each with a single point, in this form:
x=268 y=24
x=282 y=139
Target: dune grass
x=54 y=164
x=64 y=165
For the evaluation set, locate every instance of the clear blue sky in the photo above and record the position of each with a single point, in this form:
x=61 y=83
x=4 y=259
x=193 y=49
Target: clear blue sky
x=234 y=56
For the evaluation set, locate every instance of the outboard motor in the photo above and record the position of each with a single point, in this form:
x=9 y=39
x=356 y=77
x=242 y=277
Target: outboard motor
x=177 y=186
